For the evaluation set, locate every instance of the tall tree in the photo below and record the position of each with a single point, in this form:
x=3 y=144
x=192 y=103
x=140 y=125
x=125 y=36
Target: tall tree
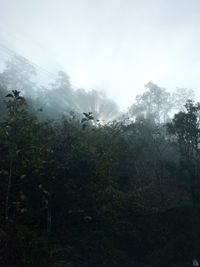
x=185 y=127
x=154 y=104
x=19 y=74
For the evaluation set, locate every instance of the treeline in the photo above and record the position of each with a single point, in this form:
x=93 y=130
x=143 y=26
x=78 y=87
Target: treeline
x=76 y=192
x=58 y=97
x=54 y=94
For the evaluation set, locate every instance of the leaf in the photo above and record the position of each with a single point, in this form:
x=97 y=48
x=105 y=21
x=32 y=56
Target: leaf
x=23 y=176
x=40 y=186
x=9 y=95
x=86 y=115
x=21 y=98
x=16 y=93
x=23 y=210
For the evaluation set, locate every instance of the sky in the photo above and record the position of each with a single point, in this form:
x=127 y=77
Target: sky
x=111 y=45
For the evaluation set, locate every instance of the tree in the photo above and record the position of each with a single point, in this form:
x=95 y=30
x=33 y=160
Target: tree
x=154 y=104
x=103 y=109
x=185 y=127
x=3 y=93
x=180 y=97
x=19 y=74
x=15 y=106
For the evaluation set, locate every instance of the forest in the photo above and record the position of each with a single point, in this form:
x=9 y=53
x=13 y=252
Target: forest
x=85 y=185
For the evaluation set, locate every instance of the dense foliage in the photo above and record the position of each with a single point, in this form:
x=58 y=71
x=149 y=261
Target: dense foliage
x=78 y=193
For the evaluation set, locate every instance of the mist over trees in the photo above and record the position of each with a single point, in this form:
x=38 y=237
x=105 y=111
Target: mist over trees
x=157 y=104
x=83 y=185
x=57 y=98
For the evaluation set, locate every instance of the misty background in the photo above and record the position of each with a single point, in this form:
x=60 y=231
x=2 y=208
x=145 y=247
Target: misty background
x=114 y=46
x=99 y=133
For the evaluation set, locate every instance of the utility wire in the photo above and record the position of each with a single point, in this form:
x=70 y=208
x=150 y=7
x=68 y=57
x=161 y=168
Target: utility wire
x=40 y=69
x=24 y=39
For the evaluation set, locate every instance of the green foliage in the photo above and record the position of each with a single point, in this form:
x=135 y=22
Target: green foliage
x=87 y=117
x=116 y=195
x=185 y=128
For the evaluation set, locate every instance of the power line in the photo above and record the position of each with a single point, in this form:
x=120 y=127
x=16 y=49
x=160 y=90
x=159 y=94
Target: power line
x=6 y=55
x=11 y=53
x=23 y=38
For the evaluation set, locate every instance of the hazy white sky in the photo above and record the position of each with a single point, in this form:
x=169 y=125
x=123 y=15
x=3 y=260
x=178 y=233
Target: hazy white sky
x=114 y=45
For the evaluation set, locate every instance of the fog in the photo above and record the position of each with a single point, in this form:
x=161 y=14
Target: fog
x=115 y=46
x=99 y=133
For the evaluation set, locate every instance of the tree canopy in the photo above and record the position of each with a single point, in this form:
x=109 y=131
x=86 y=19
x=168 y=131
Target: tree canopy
x=78 y=192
